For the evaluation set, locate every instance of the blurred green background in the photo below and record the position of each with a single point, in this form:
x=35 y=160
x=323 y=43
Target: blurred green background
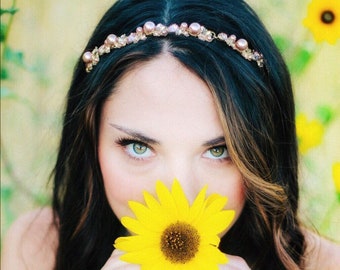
x=41 y=41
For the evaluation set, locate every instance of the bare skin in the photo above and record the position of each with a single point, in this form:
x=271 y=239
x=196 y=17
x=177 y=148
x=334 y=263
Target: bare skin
x=151 y=129
x=32 y=241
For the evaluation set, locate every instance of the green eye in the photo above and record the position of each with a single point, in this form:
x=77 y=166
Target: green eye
x=217 y=151
x=139 y=149
x=136 y=149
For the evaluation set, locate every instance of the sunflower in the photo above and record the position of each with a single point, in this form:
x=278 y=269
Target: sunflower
x=309 y=132
x=323 y=19
x=170 y=234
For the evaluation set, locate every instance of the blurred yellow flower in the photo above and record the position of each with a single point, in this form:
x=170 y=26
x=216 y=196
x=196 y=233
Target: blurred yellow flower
x=309 y=133
x=336 y=176
x=323 y=20
x=170 y=234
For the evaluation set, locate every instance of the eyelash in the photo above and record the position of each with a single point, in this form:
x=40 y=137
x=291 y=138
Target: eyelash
x=127 y=141
x=224 y=156
x=124 y=142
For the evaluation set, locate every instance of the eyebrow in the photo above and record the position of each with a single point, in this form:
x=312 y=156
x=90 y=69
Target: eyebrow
x=135 y=134
x=142 y=137
x=217 y=141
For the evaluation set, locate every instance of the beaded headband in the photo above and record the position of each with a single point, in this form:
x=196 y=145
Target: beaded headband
x=150 y=29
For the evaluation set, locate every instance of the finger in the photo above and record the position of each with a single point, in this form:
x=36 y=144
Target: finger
x=235 y=263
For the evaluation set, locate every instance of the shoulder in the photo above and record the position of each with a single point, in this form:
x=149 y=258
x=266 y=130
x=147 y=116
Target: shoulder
x=31 y=242
x=321 y=253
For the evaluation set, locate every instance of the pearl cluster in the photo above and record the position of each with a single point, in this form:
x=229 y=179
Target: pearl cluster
x=151 y=29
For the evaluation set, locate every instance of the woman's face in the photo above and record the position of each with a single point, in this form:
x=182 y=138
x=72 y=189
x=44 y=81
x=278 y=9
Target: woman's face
x=161 y=123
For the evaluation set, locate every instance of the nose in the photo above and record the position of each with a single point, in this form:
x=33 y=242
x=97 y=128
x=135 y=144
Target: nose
x=184 y=171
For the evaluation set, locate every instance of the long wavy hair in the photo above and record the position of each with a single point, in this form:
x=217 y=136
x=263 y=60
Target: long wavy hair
x=256 y=109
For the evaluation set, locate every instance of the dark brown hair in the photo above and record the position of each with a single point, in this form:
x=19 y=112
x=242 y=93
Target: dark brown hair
x=256 y=109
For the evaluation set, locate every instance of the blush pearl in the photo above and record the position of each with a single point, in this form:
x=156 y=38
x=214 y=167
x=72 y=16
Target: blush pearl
x=148 y=28
x=131 y=38
x=139 y=30
x=194 y=29
x=184 y=26
x=111 y=39
x=241 y=44
x=87 y=57
x=232 y=38
x=173 y=28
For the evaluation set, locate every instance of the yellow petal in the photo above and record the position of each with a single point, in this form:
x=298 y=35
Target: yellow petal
x=181 y=201
x=144 y=215
x=145 y=255
x=136 y=242
x=205 y=215
x=212 y=258
x=215 y=255
x=217 y=222
x=166 y=199
x=323 y=31
x=151 y=202
x=135 y=226
x=198 y=205
x=215 y=203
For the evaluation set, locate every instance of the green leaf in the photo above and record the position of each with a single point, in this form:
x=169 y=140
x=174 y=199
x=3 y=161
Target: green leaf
x=325 y=114
x=6 y=193
x=3 y=31
x=7 y=93
x=11 y=11
x=4 y=73
x=300 y=60
x=16 y=57
x=281 y=42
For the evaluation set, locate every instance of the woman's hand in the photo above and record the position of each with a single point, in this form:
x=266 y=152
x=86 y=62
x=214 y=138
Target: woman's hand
x=235 y=263
x=114 y=263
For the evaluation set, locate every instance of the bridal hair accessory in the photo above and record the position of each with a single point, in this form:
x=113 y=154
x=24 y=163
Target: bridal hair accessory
x=151 y=29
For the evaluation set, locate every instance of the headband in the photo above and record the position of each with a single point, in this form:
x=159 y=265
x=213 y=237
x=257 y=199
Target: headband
x=151 y=29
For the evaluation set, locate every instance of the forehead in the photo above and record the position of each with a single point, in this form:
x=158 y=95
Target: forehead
x=163 y=93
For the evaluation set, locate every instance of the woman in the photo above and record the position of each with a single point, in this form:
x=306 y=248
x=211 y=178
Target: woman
x=182 y=103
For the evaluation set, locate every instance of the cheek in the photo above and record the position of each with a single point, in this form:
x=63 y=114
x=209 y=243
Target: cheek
x=233 y=188
x=120 y=186
x=236 y=196
x=229 y=182
x=236 y=201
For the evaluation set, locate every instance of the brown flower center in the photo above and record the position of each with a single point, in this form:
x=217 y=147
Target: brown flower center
x=180 y=242
x=327 y=17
